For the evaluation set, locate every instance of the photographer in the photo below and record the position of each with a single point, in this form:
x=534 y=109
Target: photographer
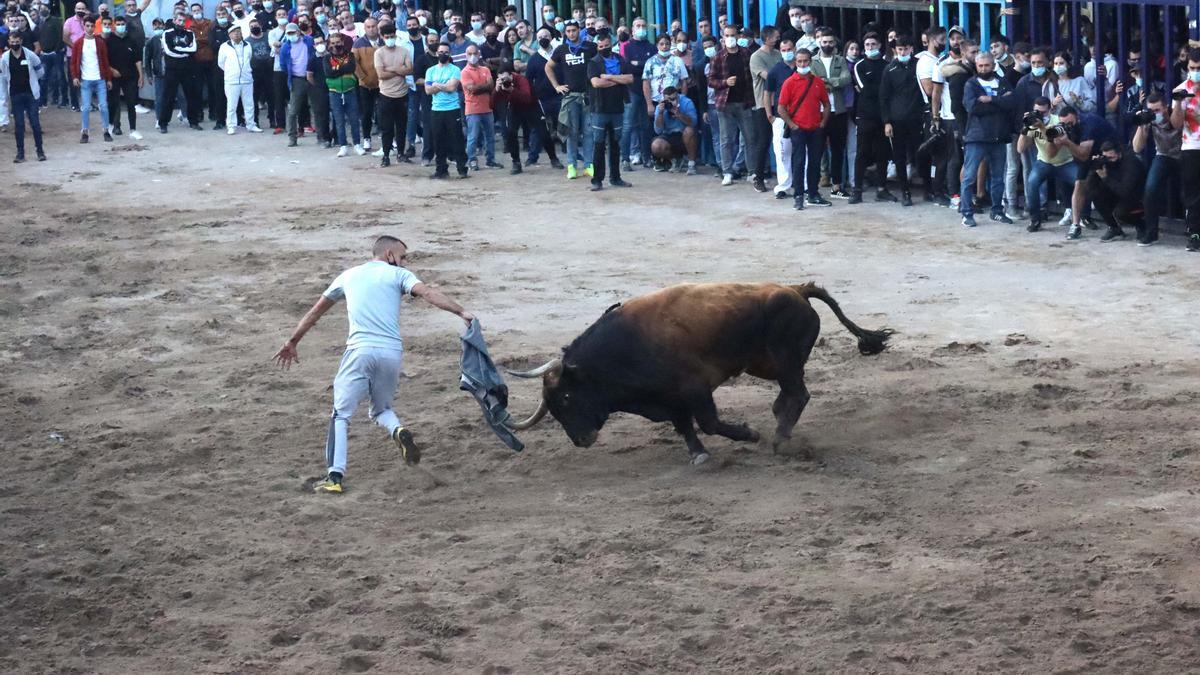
x=1085 y=133
x=1185 y=115
x=1052 y=160
x=675 y=126
x=1155 y=122
x=1115 y=186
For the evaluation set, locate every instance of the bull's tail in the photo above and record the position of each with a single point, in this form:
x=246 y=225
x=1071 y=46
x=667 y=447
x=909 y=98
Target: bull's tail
x=869 y=341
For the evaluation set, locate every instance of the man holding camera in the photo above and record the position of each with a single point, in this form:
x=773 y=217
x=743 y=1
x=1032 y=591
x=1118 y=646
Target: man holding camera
x=675 y=126
x=1114 y=186
x=989 y=102
x=1185 y=115
x=1052 y=160
x=1084 y=134
x=1155 y=122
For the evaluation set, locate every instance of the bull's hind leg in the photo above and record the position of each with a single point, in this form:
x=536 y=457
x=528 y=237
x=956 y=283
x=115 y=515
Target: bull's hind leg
x=706 y=416
x=793 y=397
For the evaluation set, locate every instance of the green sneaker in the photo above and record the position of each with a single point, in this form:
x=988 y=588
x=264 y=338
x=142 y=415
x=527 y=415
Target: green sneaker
x=589 y=171
x=572 y=174
x=331 y=485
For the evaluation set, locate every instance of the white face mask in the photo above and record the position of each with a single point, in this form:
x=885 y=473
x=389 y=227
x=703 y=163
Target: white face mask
x=796 y=22
x=730 y=42
x=320 y=49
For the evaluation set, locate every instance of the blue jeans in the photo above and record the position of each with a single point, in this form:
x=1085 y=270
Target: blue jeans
x=344 y=108
x=87 y=90
x=477 y=125
x=418 y=100
x=577 y=126
x=54 y=86
x=635 y=132
x=606 y=127
x=24 y=106
x=1035 y=187
x=1164 y=173
x=735 y=119
x=996 y=157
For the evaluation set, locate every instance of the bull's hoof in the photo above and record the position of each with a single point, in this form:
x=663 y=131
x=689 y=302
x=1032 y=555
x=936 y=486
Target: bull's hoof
x=753 y=436
x=700 y=458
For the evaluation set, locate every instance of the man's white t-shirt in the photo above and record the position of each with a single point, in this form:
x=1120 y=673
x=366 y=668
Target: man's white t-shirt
x=373 y=292
x=927 y=70
x=89 y=66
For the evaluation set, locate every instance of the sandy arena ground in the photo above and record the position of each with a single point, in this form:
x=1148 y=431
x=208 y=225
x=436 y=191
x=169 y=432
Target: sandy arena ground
x=1011 y=488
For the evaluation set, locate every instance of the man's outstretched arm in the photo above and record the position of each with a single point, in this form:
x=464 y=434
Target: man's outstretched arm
x=287 y=355
x=438 y=299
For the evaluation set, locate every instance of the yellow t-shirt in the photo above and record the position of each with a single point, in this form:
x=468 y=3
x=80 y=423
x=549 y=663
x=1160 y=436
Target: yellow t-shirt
x=1047 y=151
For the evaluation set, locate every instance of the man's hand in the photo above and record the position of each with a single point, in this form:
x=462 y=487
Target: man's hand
x=287 y=355
x=310 y=79
x=563 y=89
x=467 y=317
x=1102 y=172
x=108 y=85
x=141 y=81
x=985 y=99
x=731 y=81
x=1060 y=141
x=887 y=130
x=75 y=83
x=650 y=108
x=1120 y=86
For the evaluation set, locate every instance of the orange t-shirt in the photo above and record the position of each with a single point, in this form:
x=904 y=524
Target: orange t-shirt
x=476 y=102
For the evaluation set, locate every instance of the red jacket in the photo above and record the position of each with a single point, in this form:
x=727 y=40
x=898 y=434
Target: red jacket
x=101 y=54
x=805 y=113
x=521 y=94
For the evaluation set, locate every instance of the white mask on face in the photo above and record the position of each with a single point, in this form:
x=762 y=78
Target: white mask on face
x=730 y=42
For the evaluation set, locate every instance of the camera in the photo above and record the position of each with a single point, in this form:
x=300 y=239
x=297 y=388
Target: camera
x=1031 y=120
x=1055 y=131
x=1143 y=117
x=1180 y=95
x=1097 y=162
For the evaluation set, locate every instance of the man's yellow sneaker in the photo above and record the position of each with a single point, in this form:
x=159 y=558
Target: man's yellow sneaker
x=571 y=173
x=408 y=447
x=331 y=485
x=589 y=171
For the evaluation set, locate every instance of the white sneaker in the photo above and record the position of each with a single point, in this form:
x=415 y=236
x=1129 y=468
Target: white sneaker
x=358 y=149
x=181 y=116
x=156 y=127
x=229 y=131
x=141 y=109
x=727 y=180
x=635 y=160
x=366 y=144
x=135 y=135
x=254 y=129
x=343 y=151
x=1066 y=219
x=377 y=153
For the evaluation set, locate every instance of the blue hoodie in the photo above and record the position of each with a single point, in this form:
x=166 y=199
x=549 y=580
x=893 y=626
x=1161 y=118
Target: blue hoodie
x=285 y=56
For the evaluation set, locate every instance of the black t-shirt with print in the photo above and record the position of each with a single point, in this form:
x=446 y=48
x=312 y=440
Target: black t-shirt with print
x=571 y=65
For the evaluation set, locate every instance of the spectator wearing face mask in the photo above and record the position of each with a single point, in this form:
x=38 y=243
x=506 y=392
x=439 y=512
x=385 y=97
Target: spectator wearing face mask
x=902 y=107
x=294 y=56
x=90 y=71
x=675 y=120
x=804 y=106
x=368 y=79
x=478 y=84
x=567 y=73
x=549 y=100
x=20 y=69
x=338 y=66
x=125 y=58
x=73 y=29
x=635 y=138
x=442 y=85
x=476 y=35
x=729 y=77
x=211 y=79
x=318 y=92
x=54 y=88
x=280 y=90
x=549 y=23
x=609 y=76
x=261 y=64
x=524 y=113
x=872 y=142
x=1185 y=115
x=761 y=63
x=781 y=141
x=1164 y=168
x=833 y=69
x=392 y=65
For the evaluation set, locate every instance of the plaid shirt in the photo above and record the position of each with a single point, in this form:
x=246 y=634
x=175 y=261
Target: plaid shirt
x=719 y=72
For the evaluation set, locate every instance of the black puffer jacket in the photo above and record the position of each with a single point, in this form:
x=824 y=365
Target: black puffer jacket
x=900 y=96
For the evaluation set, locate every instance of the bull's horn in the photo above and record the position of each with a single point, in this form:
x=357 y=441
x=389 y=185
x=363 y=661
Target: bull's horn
x=552 y=364
x=533 y=419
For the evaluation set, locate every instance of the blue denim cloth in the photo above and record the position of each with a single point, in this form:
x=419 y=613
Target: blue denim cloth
x=481 y=124
x=600 y=121
x=1163 y=174
x=1035 y=187
x=24 y=106
x=635 y=134
x=997 y=158
x=735 y=119
x=87 y=90
x=711 y=149
x=344 y=108
x=851 y=153
x=577 y=126
x=54 y=87
x=418 y=101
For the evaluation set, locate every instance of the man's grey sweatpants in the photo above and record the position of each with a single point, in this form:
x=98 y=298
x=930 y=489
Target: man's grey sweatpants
x=373 y=371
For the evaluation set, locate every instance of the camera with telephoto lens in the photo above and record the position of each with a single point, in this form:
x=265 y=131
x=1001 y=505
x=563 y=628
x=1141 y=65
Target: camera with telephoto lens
x=1055 y=131
x=1180 y=94
x=1143 y=117
x=1097 y=162
x=1031 y=120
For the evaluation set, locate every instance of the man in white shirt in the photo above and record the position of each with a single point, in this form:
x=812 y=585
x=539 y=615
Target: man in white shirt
x=233 y=58
x=374 y=350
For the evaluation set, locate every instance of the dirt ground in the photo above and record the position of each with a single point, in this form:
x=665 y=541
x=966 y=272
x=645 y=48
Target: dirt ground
x=1012 y=487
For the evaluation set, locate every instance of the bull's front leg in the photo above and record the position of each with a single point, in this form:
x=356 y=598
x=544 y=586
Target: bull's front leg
x=695 y=448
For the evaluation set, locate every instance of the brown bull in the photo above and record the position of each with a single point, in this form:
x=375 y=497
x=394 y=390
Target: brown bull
x=662 y=355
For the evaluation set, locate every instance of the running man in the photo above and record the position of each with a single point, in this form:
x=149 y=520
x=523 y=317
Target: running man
x=374 y=351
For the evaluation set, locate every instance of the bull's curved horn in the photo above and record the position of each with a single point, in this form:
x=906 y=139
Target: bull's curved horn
x=533 y=419
x=552 y=364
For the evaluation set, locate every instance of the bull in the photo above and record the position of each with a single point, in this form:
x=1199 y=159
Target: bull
x=662 y=355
